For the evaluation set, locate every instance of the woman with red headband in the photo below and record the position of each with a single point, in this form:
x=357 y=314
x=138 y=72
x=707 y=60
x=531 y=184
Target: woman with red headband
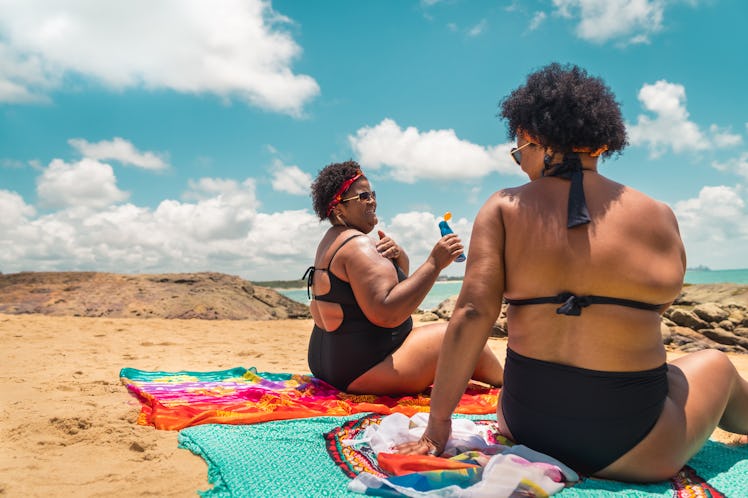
x=363 y=339
x=587 y=266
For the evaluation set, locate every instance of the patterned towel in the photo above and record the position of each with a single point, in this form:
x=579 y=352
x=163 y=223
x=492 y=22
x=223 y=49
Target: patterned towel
x=484 y=462
x=716 y=471
x=175 y=400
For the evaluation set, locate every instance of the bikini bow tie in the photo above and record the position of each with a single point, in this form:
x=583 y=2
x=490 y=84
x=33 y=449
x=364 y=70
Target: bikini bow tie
x=572 y=305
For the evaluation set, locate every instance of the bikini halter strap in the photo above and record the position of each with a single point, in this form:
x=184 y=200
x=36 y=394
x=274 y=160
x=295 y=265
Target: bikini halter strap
x=570 y=168
x=309 y=273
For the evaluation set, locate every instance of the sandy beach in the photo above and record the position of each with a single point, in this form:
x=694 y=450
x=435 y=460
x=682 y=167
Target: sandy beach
x=68 y=425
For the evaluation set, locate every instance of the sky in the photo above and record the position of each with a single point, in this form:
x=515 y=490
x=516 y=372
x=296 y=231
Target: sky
x=183 y=135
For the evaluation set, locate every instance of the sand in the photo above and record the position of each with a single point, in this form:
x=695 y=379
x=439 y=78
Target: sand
x=67 y=425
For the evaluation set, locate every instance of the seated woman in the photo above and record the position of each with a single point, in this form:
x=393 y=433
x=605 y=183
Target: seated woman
x=587 y=266
x=363 y=339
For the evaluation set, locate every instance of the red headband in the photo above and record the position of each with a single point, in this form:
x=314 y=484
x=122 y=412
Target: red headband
x=342 y=190
x=593 y=153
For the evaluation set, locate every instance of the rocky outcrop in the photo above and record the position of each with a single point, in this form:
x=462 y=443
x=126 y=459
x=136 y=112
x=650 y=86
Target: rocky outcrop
x=445 y=308
x=704 y=316
x=208 y=296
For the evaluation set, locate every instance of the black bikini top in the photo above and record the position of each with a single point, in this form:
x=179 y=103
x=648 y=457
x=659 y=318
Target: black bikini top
x=572 y=305
x=570 y=168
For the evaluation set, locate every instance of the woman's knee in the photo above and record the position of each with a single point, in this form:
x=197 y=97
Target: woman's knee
x=709 y=365
x=714 y=358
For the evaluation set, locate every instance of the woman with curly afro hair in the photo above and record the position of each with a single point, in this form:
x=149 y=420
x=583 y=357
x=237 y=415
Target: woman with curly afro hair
x=587 y=266
x=363 y=339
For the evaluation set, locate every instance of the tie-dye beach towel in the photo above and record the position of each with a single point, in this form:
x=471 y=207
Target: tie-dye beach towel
x=175 y=400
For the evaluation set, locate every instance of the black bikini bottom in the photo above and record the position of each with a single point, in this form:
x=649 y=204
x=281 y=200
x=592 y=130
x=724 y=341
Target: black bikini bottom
x=587 y=419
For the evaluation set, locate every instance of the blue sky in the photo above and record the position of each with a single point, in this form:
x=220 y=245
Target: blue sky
x=174 y=136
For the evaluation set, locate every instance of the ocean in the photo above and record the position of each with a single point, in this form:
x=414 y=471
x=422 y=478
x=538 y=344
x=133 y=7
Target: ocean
x=443 y=290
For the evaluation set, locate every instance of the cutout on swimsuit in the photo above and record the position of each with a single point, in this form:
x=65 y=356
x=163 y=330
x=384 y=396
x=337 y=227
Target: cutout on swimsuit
x=342 y=355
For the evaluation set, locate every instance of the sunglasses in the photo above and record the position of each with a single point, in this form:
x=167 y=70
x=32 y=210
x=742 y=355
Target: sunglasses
x=363 y=196
x=517 y=154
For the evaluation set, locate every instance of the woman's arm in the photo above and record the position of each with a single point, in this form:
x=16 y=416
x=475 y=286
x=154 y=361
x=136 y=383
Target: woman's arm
x=477 y=308
x=385 y=301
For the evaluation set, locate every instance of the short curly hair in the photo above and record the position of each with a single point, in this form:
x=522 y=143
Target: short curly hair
x=328 y=181
x=563 y=107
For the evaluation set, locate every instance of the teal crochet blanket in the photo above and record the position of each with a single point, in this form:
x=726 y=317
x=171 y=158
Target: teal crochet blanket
x=289 y=458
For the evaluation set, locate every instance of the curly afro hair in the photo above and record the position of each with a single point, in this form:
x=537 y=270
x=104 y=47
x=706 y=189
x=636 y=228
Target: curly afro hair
x=563 y=108
x=328 y=181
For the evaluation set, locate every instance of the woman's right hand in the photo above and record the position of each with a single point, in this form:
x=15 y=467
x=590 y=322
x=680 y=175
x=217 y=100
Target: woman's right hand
x=433 y=442
x=446 y=250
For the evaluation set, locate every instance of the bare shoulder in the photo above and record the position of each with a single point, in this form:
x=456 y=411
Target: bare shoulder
x=354 y=244
x=491 y=210
x=503 y=199
x=349 y=246
x=649 y=206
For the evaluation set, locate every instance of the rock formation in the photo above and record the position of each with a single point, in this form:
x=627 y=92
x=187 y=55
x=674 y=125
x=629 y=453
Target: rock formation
x=208 y=296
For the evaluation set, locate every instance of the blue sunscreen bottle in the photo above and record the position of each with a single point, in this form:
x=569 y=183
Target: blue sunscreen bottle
x=444 y=228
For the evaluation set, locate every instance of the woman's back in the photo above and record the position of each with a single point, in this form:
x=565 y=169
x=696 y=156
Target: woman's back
x=585 y=264
x=631 y=250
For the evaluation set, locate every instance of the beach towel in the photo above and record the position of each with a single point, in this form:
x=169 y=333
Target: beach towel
x=281 y=458
x=481 y=463
x=298 y=458
x=175 y=400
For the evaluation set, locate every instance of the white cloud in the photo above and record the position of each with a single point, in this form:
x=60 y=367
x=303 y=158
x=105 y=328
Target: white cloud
x=224 y=208
x=537 y=20
x=737 y=165
x=6 y=162
x=13 y=92
x=220 y=231
x=602 y=20
x=290 y=179
x=19 y=73
x=236 y=51
x=714 y=227
x=670 y=128
x=478 y=29
x=207 y=188
x=292 y=235
x=86 y=183
x=14 y=210
x=724 y=137
x=413 y=155
x=119 y=149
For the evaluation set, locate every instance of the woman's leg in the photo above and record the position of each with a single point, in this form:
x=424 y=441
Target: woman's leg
x=706 y=391
x=411 y=369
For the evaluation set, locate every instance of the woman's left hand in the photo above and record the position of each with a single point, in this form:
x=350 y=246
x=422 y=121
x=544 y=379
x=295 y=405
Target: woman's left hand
x=387 y=247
